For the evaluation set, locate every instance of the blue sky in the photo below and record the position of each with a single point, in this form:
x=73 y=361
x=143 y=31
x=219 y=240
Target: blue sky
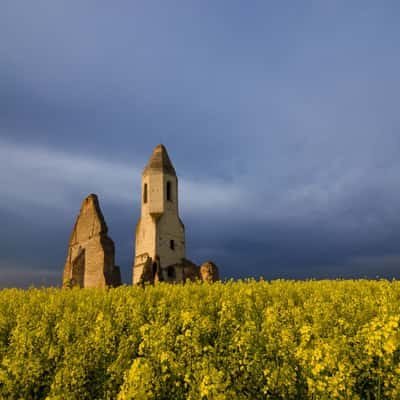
x=281 y=120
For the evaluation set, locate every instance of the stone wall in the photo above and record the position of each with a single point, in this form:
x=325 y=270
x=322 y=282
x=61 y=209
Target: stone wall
x=90 y=259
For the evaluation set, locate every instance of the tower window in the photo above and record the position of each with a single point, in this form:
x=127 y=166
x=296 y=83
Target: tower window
x=172 y=245
x=145 y=193
x=169 y=197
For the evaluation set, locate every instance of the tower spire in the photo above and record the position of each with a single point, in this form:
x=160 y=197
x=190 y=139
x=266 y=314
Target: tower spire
x=160 y=161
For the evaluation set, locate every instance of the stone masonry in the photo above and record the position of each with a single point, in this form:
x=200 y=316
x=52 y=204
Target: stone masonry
x=90 y=259
x=160 y=245
x=209 y=272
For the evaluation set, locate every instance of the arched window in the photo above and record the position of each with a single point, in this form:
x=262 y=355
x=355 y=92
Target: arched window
x=172 y=245
x=169 y=197
x=145 y=193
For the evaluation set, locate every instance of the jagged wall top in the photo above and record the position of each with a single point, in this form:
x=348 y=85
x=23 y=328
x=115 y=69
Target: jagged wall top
x=90 y=221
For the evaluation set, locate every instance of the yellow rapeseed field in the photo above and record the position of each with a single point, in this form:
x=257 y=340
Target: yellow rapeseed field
x=232 y=340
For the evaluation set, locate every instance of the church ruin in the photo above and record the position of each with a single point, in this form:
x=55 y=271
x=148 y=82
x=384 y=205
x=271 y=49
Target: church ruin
x=159 y=243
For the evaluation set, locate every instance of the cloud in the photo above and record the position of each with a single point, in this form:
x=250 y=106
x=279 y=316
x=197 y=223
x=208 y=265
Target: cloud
x=16 y=275
x=386 y=266
x=282 y=127
x=45 y=177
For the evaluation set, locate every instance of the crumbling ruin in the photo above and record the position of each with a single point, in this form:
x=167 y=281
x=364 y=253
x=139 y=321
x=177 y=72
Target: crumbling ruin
x=160 y=247
x=90 y=259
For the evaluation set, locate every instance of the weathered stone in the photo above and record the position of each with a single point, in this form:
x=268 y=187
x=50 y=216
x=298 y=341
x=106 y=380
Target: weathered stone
x=180 y=272
x=146 y=270
x=209 y=272
x=90 y=259
x=160 y=233
x=160 y=246
x=190 y=270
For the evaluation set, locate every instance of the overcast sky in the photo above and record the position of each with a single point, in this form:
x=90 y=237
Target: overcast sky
x=281 y=118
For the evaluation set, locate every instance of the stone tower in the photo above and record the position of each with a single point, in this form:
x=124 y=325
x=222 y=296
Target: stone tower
x=90 y=258
x=160 y=234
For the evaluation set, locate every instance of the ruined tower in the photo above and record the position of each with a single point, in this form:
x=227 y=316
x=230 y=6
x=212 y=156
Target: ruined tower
x=160 y=234
x=90 y=258
x=159 y=241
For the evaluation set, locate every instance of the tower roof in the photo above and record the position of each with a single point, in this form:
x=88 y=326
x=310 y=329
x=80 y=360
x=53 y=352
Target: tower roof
x=159 y=161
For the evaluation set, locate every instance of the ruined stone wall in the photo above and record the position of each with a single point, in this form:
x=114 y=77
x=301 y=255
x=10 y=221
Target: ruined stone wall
x=90 y=259
x=145 y=241
x=170 y=228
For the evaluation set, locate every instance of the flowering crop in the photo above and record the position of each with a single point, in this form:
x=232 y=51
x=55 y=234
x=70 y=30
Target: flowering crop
x=232 y=340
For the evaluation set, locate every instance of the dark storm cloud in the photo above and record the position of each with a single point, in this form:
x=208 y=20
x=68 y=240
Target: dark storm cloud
x=282 y=124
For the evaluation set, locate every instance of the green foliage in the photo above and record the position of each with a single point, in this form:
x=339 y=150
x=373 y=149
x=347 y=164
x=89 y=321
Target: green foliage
x=233 y=340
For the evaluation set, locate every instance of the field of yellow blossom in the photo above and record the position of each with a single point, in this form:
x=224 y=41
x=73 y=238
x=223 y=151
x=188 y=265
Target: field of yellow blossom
x=232 y=340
